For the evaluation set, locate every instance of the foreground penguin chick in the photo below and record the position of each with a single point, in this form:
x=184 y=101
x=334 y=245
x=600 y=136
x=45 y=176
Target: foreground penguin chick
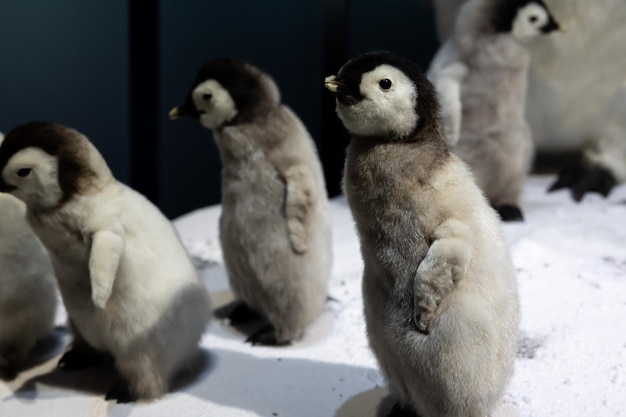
x=275 y=222
x=28 y=297
x=439 y=287
x=481 y=76
x=129 y=287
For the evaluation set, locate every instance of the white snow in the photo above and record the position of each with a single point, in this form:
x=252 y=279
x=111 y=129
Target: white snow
x=571 y=262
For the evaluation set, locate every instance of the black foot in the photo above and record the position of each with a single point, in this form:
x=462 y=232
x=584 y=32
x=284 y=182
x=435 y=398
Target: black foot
x=8 y=357
x=399 y=410
x=8 y=372
x=510 y=213
x=266 y=336
x=120 y=393
x=78 y=359
x=581 y=179
x=239 y=315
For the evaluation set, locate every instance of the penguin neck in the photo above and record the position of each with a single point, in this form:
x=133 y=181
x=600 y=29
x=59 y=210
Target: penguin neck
x=418 y=157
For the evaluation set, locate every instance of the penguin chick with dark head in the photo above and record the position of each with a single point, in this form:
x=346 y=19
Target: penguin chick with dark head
x=439 y=287
x=129 y=287
x=481 y=76
x=275 y=222
x=28 y=296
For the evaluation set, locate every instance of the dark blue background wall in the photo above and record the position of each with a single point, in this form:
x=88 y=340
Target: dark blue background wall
x=67 y=61
x=70 y=62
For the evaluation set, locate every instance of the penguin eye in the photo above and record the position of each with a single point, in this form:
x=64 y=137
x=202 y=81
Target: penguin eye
x=533 y=19
x=385 y=83
x=24 y=172
x=207 y=96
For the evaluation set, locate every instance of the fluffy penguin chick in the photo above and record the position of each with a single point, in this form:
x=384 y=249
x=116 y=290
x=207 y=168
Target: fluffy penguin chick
x=275 y=223
x=439 y=287
x=481 y=76
x=129 y=287
x=28 y=297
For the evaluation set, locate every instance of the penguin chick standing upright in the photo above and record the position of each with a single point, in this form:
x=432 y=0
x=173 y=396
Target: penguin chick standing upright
x=28 y=297
x=439 y=287
x=481 y=76
x=129 y=287
x=275 y=222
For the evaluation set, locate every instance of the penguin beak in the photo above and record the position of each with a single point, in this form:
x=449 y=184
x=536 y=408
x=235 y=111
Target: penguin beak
x=5 y=188
x=343 y=92
x=551 y=26
x=184 y=110
x=333 y=84
x=174 y=113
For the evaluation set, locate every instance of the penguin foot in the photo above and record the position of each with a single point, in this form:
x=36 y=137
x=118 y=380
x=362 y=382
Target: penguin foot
x=8 y=372
x=510 y=213
x=581 y=179
x=121 y=393
x=400 y=410
x=8 y=358
x=266 y=336
x=239 y=315
x=78 y=359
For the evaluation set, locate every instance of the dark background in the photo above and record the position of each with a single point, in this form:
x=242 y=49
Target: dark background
x=113 y=69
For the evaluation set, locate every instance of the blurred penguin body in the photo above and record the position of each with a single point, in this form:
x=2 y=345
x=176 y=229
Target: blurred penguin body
x=275 y=221
x=127 y=283
x=439 y=287
x=481 y=76
x=28 y=297
x=577 y=96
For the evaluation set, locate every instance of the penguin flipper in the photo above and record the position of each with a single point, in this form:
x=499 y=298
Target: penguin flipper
x=448 y=85
x=299 y=200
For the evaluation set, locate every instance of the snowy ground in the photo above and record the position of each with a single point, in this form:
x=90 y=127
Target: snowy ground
x=571 y=262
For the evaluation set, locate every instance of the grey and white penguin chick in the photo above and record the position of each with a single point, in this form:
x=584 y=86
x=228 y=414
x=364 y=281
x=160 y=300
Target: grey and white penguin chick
x=439 y=288
x=481 y=76
x=275 y=222
x=129 y=287
x=28 y=296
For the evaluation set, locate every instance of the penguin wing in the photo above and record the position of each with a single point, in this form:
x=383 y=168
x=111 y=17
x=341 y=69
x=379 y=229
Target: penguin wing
x=448 y=82
x=106 y=251
x=298 y=202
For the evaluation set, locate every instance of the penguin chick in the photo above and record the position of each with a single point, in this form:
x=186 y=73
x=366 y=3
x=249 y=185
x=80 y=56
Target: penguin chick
x=481 y=76
x=28 y=297
x=275 y=222
x=129 y=287
x=439 y=288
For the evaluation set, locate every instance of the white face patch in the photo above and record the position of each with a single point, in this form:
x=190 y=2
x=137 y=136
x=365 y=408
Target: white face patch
x=529 y=21
x=388 y=105
x=214 y=103
x=35 y=174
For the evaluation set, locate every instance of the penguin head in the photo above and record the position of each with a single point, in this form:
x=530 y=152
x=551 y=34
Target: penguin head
x=380 y=94
x=524 y=19
x=228 y=92
x=45 y=164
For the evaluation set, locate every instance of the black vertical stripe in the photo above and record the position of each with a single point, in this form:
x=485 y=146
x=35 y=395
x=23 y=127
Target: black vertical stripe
x=334 y=137
x=144 y=97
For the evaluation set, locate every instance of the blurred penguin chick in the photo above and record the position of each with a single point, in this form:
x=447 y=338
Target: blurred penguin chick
x=481 y=77
x=129 y=287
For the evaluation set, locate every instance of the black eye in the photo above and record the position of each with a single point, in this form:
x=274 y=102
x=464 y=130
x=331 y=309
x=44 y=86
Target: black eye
x=24 y=172
x=207 y=96
x=533 y=19
x=385 y=83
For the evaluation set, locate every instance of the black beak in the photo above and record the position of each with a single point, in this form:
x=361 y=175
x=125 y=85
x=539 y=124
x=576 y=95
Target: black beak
x=340 y=88
x=5 y=188
x=186 y=109
x=551 y=26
